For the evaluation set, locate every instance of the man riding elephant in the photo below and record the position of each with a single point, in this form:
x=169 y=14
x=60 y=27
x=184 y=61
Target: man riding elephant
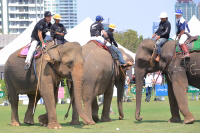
x=182 y=29
x=60 y=61
x=96 y=29
x=38 y=35
x=101 y=73
x=162 y=33
x=58 y=31
x=110 y=41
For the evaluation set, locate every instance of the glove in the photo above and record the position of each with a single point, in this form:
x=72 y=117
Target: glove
x=43 y=46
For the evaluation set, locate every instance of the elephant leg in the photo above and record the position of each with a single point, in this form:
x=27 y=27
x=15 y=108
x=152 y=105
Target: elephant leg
x=173 y=103
x=14 y=107
x=180 y=86
x=43 y=119
x=88 y=97
x=75 y=116
x=95 y=109
x=47 y=92
x=29 y=117
x=106 y=105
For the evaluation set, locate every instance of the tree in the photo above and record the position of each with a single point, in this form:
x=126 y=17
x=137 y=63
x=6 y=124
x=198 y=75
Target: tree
x=128 y=39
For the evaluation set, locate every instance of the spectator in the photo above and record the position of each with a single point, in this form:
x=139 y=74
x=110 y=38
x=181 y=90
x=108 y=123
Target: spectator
x=133 y=78
x=197 y=96
x=148 y=85
x=158 y=81
x=101 y=102
x=127 y=81
x=41 y=101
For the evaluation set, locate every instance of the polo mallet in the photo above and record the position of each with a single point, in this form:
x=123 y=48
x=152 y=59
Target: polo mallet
x=38 y=84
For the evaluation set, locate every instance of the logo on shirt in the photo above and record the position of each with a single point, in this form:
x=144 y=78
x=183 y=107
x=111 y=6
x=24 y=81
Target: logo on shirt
x=94 y=26
x=41 y=27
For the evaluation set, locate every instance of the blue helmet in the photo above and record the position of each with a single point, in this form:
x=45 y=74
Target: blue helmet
x=179 y=12
x=99 y=18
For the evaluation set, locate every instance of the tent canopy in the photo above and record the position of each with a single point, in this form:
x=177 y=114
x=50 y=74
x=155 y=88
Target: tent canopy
x=80 y=34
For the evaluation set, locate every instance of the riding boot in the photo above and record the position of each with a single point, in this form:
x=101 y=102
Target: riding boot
x=185 y=51
x=157 y=58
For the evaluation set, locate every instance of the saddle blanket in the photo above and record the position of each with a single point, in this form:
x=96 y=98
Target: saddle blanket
x=100 y=44
x=24 y=51
x=193 y=46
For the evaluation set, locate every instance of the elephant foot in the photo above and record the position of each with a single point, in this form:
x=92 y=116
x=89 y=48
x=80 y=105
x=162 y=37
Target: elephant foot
x=91 y=123
x=29 y=120
x=189 y=121
x=43 y=120
x=106 y=119
x=95 y=118
x=15 y=124
x=75 y=122
x=121 y=118
x=54 y=126
x=174 y=120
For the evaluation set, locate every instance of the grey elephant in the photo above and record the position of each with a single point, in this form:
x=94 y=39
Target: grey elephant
x=66 y=62
x=101 y=73
x=179 y=75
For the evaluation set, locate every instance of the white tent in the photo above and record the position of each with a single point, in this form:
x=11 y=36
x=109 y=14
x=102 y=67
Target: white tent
x=80 y=34
x=194 y=25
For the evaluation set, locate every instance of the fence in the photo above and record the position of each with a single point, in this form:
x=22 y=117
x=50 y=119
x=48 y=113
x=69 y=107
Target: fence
x=162 y=90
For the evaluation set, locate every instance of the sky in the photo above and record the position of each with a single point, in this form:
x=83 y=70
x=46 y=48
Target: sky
x=138 y=15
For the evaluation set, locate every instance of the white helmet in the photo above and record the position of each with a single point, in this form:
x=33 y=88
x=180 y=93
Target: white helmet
x=163 y=15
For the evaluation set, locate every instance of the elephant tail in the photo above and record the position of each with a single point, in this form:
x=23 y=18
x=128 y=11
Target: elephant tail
x=6 y=79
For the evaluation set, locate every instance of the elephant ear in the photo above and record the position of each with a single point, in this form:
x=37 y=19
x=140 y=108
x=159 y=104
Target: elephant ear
x=52 y=55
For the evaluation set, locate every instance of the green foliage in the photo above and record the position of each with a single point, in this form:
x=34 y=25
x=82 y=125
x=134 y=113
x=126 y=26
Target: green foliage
x=3 y=88
x=128 y=39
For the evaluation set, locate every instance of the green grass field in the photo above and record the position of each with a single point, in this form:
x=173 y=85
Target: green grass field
x=156 y=115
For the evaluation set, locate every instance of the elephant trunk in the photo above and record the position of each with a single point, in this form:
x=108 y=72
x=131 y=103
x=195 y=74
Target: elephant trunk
x=120 y=94
x=77 y=77
x=139 y=84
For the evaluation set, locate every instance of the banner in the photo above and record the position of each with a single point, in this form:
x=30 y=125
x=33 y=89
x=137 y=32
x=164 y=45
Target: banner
x=1 y=94
x=61 y=92
x=161 y=90
x=133 y=90
x=192 y=89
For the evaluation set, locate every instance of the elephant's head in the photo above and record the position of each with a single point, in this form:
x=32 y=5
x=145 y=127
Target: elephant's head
x=68 y=61
x=143 y=65
x=120 y=81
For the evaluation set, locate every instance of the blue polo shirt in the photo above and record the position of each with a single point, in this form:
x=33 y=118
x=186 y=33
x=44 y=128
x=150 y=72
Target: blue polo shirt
x=182 y=25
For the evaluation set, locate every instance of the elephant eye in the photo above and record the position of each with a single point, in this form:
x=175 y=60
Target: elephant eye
x=70 y=62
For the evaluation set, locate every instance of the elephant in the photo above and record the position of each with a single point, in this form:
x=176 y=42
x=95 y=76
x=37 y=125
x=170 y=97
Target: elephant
x=178 y=73
x=100 y=74
x=60 y=61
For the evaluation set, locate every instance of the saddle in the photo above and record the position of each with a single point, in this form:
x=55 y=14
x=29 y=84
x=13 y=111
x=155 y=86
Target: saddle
x=193 y=44
x=109 y=49
x=100 y=44
x=24 y=51
x=191 y=38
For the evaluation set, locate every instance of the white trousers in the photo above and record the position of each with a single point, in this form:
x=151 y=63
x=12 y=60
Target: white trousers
x=183 y=38
x=31 y=51
x=99 y=39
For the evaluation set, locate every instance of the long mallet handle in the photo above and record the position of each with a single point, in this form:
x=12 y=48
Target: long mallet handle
x=38 y=84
